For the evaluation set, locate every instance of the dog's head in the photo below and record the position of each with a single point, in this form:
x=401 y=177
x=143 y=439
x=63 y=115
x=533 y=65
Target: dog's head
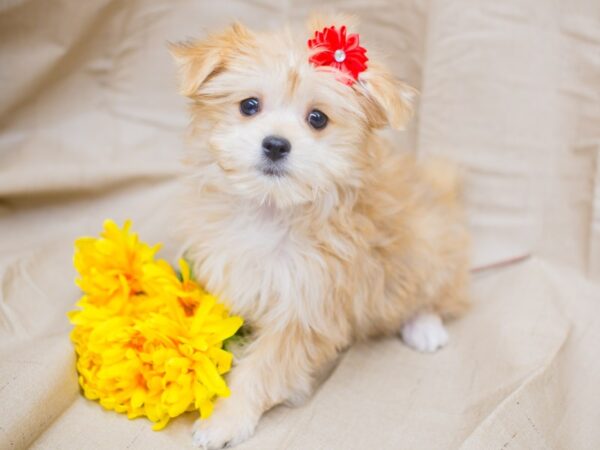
x=280 y=129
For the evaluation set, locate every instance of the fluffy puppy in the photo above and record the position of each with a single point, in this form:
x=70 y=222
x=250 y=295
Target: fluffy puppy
x=305 y=221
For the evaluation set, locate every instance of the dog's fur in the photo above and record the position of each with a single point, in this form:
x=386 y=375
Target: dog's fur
x=353 y=241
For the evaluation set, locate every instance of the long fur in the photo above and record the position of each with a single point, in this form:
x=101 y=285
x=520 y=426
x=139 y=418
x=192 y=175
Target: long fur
x=349 y=244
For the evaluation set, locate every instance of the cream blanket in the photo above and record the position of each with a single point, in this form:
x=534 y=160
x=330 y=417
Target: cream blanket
x=91 y=127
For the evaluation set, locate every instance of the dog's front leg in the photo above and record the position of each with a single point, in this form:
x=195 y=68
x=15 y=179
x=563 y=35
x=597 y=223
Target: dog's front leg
x=276 y=367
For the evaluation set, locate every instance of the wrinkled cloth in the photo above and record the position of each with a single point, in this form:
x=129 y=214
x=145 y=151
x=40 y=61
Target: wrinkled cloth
x=91 y=127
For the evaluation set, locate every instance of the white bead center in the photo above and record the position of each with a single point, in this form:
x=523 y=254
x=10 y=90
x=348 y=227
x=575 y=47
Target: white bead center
x=339 y=55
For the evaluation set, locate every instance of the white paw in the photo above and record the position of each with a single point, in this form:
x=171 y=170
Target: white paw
x=226 y=427
x=425 y=332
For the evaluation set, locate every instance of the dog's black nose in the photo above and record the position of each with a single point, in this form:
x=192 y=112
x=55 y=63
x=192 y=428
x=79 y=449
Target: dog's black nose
x=276 y=147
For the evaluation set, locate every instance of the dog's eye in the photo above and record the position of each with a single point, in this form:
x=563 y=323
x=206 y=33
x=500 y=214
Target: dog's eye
x=250 y=106
x=317 y=119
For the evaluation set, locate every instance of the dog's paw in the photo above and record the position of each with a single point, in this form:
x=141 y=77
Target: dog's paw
x=425 y=332
x=227 y=427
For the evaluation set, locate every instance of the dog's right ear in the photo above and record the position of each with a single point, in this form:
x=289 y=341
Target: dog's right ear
x=196 y=61
x=199 y=60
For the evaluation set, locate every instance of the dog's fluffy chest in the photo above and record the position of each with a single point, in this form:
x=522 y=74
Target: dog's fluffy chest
x=263 y=265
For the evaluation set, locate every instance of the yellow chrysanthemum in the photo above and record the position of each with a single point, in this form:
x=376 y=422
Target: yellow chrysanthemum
x=148 y=342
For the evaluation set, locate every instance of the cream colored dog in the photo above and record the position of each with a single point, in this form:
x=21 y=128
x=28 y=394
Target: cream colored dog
x=306 y=222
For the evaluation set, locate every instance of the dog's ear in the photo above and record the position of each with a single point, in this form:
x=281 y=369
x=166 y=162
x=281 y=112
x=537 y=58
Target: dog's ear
x=199 y=60
x=386 y=99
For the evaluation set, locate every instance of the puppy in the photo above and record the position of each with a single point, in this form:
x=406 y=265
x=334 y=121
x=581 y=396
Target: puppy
x=305 y=221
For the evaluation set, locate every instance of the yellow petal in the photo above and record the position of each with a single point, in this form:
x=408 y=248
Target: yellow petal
x=161 y=424
x=138 y=398
x=206 y=409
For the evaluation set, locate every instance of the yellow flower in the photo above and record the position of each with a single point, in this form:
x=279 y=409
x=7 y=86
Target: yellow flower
x=149 y=343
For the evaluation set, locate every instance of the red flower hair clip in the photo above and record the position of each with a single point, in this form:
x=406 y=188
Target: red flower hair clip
x=333 y=48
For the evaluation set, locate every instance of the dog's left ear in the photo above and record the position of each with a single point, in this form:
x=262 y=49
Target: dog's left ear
x=386 y=100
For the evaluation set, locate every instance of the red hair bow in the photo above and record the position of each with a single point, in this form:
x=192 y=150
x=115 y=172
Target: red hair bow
x=333 y=48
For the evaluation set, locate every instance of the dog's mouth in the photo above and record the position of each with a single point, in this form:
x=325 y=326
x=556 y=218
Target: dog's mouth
x=272 y=170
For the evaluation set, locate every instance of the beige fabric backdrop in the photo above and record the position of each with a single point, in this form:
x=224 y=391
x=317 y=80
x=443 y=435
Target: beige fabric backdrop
x=91 y=127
